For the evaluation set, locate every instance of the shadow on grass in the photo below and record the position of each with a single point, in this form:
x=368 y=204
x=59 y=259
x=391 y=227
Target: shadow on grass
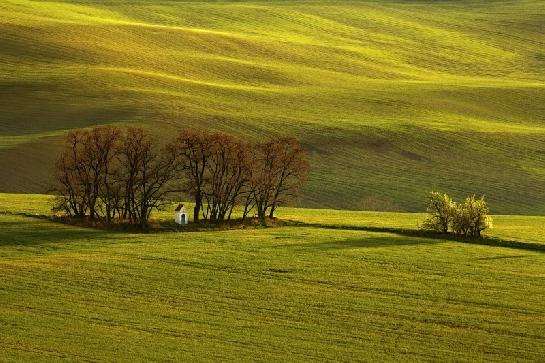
x=365 y=242
x=500 y=258
x=35 y=231
x=430 y=235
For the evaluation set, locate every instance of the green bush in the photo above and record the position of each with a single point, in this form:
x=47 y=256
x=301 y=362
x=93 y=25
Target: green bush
x=467 y=219
x=440 y=212
x=471 y=217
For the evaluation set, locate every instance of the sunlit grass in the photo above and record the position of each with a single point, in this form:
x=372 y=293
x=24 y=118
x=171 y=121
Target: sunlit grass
x=392 y=99
x=301 y=292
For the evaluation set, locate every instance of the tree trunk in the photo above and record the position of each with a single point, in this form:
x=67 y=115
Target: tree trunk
x=144 y=217
x=261 y=216
x=261 y=212
x=271 y=213
x=245 y=213
x=197 y=208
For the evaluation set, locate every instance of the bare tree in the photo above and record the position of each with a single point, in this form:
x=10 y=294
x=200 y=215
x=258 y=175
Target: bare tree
x=279 y=169
x=71 y=178
x=290 y=170
x=103 y=147
x=130 y=153
x=193 y=149
x=84 y=170
x=147 y=172
x=226 y=175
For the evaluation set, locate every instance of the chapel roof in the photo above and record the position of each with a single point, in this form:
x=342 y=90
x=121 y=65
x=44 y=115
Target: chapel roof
x=179 y=208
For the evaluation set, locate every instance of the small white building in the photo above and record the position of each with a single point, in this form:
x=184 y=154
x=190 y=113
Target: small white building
x=180 y=215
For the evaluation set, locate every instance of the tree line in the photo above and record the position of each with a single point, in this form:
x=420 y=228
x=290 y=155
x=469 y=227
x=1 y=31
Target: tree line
x=113 y=175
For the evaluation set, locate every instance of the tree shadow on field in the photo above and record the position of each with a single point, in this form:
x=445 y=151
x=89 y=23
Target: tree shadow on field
x=27 y=231
x=425 y=237
x=367 y=242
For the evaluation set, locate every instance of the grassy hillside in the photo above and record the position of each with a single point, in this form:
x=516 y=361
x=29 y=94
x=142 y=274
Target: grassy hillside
x=391 y=98
x=299 y=293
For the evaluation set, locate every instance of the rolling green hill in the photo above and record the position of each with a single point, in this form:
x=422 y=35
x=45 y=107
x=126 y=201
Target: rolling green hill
x=391 y=98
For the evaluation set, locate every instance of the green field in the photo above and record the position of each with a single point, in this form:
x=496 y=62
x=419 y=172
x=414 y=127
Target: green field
x=391 y=98
x=300 y=293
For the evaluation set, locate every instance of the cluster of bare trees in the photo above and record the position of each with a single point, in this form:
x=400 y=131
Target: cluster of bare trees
x=223 y=172
x=110 y=174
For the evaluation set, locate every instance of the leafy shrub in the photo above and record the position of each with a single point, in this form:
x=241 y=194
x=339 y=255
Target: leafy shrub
x=467 y=219
x=471 y=217
x=440 y=212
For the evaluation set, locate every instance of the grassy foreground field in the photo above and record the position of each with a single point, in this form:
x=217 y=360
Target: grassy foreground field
x=293 y=293
x=392 y=98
